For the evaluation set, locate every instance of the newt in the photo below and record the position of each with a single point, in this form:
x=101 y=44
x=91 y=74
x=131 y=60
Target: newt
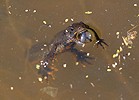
x=75 y=34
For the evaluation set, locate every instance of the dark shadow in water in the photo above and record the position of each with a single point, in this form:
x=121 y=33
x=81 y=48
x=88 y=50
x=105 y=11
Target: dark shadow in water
x=37 y=51
x=81 y=56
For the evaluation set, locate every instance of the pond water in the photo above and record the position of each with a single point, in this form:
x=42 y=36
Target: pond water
x=112 y=74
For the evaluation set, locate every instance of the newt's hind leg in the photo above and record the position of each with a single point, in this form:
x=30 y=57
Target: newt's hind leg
x=46 y=70
x=81 y=56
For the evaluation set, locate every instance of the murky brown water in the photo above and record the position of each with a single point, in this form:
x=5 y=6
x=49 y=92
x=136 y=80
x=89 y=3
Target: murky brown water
x=21 y=26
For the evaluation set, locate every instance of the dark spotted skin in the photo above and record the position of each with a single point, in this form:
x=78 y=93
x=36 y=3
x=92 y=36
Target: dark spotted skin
x=66 y=41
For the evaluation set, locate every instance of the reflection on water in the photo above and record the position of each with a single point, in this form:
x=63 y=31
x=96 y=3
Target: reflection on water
x=105 y=79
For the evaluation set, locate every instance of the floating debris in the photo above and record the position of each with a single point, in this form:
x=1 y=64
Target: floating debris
x=117 y=33
x=128 y=40
x=11 y=88
x=108 y=70
x=64 y=65
x=83 y=45
x=72 y=19
x=37 y=40
x=83 y=65
x=114 y=65
x=85 y=92
x=121 y=49
x=37 y=66
x=44 y=22
x=71 y=86
x=34 y=11
x=92 y=84
x=50 y=26
x=119 y=59
x=118 y=51
x=51 y=91
x=42 y=49
x=134 y=58
x=44 y=45
x=115 y=55
x=77 y=63
x=124 y=57
x=135 y=5
x=130 y=77
x=86 y=76
x=120 y=68
x=106 y=10
x=9 y=12
x=26 y=10
x=88 y=54
x=132 y=35
x=128 y=54
x=40 y=79
x=66 y=20
x=19 y=78
x=88 y=12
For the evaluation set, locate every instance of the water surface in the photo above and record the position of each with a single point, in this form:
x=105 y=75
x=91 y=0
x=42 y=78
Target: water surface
x=22 y=24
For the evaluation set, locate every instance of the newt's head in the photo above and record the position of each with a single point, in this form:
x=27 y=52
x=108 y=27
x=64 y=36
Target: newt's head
x=82 y=33
x=83 y=36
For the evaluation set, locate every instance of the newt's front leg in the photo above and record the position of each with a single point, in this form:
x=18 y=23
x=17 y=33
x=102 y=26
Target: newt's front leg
x=99 y=41
x=46 y=70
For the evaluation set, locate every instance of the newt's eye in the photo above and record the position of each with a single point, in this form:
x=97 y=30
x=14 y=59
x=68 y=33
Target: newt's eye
x=85 y=37
x=88 y=36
